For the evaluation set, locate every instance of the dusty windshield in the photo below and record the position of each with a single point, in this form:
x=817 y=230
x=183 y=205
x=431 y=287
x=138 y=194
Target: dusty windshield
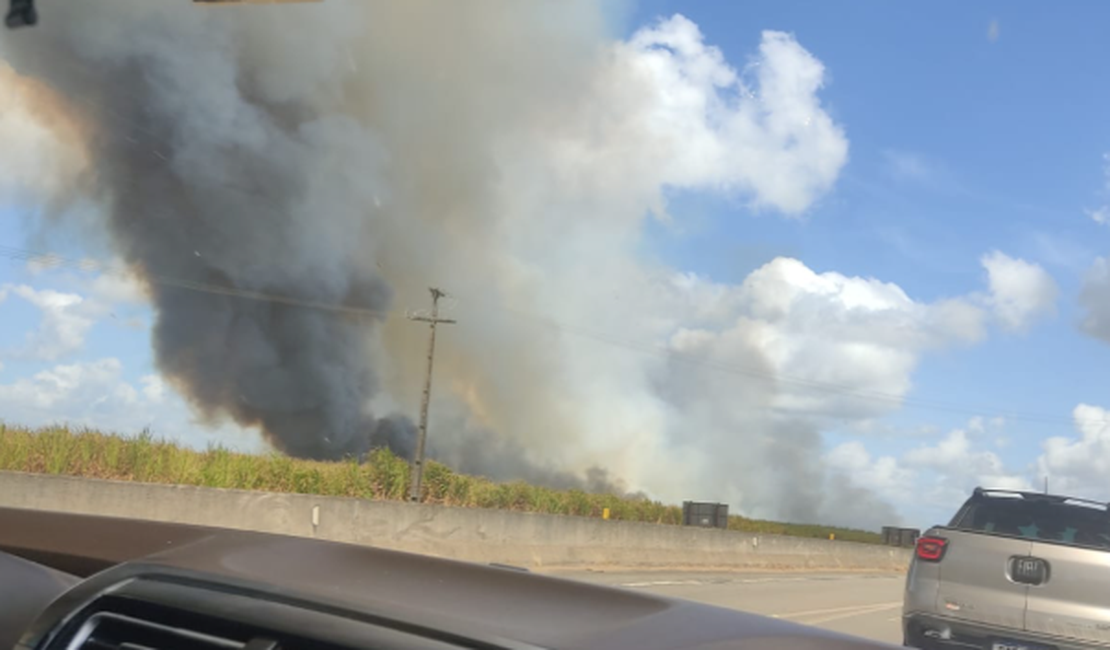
x=822 y=268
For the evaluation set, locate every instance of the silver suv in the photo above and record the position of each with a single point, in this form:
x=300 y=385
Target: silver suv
x=1012 y=571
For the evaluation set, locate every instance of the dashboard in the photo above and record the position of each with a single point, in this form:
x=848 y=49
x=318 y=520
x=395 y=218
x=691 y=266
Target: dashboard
x=77 y=582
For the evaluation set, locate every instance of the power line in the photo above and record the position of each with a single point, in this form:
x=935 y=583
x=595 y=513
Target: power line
x=816 y=385
x=646 y=348
x=52 y=260
x=602 y=337
x=121 y=119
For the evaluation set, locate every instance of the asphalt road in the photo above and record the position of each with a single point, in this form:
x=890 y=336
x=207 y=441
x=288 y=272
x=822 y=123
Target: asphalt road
x=866 y=605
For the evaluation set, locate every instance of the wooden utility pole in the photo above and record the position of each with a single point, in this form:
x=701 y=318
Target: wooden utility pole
x=422 y=434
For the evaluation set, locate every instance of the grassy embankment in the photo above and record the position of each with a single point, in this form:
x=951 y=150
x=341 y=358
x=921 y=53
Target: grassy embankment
x=59 y=450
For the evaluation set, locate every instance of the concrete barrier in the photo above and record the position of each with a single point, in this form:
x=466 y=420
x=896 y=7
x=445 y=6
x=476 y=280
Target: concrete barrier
x=478 y=535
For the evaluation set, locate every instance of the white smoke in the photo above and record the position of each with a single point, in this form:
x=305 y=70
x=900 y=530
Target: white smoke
x=509 y=153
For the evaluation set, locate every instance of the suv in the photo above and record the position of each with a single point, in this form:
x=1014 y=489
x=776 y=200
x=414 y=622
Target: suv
x=1012 y=571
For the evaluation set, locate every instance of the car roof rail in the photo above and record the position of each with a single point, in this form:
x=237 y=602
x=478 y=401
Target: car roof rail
x=981 y=492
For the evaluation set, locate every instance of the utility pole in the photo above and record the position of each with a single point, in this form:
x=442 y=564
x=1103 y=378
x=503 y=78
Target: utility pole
x=422 y=434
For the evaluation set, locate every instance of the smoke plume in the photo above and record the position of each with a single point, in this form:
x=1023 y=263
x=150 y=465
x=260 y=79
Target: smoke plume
x=355 y=153
x=208 y=179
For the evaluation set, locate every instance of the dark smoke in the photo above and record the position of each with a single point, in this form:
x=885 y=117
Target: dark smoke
x=297 y=372
x=356 y=153
x=245 y=151
x=482 y=452
x=211 y=187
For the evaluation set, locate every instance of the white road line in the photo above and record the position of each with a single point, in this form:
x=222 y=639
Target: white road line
x=861 y=612
x=833 y=610
x=738 y=581
x=662 y=583
x=839 y=612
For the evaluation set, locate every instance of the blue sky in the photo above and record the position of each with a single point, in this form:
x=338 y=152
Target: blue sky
x=971 y=128
x=960 y=144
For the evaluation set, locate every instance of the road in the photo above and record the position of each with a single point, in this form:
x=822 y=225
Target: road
x=867 y=605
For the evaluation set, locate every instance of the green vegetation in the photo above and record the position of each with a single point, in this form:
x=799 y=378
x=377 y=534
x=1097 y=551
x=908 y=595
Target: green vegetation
x=87 y=453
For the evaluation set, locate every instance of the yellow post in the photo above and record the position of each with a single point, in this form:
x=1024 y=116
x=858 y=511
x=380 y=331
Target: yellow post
x=605 y=513
x=832 y=536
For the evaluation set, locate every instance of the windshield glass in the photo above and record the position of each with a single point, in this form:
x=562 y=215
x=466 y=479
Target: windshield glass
x=809 y=270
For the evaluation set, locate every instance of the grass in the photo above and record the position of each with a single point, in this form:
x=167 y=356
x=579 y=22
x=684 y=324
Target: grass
x=92 y=454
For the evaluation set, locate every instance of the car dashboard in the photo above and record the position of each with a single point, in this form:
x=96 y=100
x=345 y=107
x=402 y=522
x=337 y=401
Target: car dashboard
x=77 y=582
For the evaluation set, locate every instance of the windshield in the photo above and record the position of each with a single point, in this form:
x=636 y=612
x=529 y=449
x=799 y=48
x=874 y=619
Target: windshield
x=796 y=269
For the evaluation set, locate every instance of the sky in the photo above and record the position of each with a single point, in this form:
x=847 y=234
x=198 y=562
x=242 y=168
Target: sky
x=880 y=232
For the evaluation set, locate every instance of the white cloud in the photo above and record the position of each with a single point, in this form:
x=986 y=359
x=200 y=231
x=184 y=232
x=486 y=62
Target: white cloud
x=87 y=383
x=928 y=482
x=66 y=319
x=954 y=453
x=96 y=394
x=763 y=367
x=1020 y=291
x=945 y=472
x=884 y=474
x=819 y=330
x=671 y=111
x=1080 y=466
x=154 y=388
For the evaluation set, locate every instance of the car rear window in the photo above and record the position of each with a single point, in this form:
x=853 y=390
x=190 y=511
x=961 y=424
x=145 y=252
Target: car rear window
x=1041 y=520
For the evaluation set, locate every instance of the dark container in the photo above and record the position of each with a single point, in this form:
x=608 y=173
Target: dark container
x=705 y=515
x=894 y=536
x=909 y=536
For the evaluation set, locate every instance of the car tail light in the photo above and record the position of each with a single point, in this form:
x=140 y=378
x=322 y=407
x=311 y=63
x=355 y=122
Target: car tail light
x=931 y=549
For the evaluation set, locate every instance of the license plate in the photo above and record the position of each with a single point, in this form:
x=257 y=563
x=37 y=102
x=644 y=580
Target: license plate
x=1006 y=644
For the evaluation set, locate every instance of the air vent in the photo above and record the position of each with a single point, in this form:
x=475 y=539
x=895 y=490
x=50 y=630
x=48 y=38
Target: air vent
x=112 y=631
x=159 y=614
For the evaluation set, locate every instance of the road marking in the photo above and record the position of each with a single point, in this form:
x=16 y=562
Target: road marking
x=662 y=583
x=833 y=610
x=861 y=612
x=837 y=613
x=718 y=581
